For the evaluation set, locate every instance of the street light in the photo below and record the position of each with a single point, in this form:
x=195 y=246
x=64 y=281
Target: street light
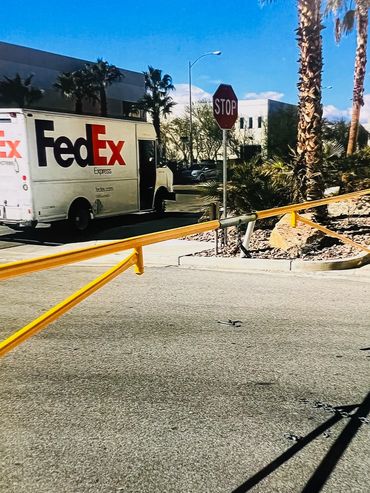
x=191 y=64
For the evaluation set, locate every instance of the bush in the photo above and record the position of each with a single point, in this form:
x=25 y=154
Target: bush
x=250 y=188
x=349 y=172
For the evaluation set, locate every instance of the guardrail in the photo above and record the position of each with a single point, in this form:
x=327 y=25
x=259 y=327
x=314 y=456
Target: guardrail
x=135 y=259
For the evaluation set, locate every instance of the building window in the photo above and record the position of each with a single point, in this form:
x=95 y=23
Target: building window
x=130 y=111
x=250 y=122
x=260 y=122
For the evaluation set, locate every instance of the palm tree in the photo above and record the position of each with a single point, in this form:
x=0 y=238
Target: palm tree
x=19 y=91
x=103 y=75
x=77 y=86
x=346 y=25
x=156 y=100
x=309 y=138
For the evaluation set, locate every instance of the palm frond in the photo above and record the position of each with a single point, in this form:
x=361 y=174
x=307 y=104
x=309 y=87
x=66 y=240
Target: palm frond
x=338 y=30
x=335 y=6
x=348 y=21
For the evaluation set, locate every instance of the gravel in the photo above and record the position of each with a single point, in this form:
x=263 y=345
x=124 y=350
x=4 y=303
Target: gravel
x=350 y=218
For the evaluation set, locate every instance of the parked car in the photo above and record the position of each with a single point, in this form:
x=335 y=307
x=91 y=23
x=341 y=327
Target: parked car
x=200 y=172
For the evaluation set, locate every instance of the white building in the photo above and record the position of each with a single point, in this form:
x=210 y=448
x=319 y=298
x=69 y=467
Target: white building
x=266 y=125
x=263 y=125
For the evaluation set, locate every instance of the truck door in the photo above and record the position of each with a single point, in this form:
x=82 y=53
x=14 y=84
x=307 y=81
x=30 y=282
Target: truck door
x=15 y=197
x=147 y=173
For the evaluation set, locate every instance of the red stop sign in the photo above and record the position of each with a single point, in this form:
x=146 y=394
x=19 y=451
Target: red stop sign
x=225 y=106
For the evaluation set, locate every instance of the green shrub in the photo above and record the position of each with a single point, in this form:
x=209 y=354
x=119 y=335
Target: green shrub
x=250 y=188
x=348 y=172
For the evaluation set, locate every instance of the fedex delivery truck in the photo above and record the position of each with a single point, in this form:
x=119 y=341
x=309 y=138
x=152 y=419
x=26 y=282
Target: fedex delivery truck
x=56 y=166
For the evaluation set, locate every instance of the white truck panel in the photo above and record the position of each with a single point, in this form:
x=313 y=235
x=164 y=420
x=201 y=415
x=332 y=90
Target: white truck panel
x=48 y=160
x=105 y=133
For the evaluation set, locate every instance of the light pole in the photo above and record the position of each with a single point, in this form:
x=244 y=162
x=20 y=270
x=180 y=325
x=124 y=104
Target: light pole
x=191 y=64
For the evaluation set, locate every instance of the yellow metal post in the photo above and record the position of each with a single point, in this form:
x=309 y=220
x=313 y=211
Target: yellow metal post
x=293 y=219
x=139 y=266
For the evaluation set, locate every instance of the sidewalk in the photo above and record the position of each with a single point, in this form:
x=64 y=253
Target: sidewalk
x=159 y=254
x=179 y=253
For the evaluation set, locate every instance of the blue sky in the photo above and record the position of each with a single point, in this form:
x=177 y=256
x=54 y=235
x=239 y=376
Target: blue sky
x=259 y=51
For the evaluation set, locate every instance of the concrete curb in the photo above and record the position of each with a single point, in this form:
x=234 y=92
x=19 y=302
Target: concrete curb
x=278 y=265
x=329 y=265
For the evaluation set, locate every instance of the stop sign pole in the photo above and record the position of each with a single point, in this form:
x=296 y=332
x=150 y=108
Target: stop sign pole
x=225 y=111
x=224 y=177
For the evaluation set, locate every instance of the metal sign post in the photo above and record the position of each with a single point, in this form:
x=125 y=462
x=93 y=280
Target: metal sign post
x=225 y=111
x=224 y=178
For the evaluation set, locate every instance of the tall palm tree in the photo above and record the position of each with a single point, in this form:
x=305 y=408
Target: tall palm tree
x=19 y=91
x=76 y=86
x=103 y=75
x=156 y=100
x=345 y=18
x=309 y=135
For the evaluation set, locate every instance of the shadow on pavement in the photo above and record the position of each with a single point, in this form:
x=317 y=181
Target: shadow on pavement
x=329 y=462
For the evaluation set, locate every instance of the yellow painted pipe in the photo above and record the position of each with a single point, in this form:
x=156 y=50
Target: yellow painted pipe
x=22 y=267
x=278 y=211
x=58 y=310
x=136 y=258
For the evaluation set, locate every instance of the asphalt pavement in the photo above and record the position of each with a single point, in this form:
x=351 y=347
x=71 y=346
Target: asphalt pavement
x=187 y=381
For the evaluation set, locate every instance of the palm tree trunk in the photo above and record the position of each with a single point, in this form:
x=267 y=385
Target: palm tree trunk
x=359 y=77
x=309 y=143
x=103 y=102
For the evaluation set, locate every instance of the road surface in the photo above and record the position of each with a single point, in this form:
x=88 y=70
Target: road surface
x=142 y=389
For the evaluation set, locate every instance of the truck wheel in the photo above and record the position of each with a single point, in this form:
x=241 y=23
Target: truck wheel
x=159 y=203
x=79 y=217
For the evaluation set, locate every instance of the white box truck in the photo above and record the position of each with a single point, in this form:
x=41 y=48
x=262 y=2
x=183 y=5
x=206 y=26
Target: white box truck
x=56 y=166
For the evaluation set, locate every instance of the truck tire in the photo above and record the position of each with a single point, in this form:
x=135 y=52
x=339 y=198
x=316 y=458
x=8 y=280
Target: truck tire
x=159 y=202
x=79 y=217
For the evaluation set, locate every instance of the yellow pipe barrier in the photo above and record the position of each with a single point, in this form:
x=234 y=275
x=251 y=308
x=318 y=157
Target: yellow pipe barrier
x=22 y=267
x=58 y=310
x=329 y=232
x=14 y=269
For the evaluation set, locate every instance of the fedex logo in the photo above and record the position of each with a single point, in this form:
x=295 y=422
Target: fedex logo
x=84 y=150
x=10 y=147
